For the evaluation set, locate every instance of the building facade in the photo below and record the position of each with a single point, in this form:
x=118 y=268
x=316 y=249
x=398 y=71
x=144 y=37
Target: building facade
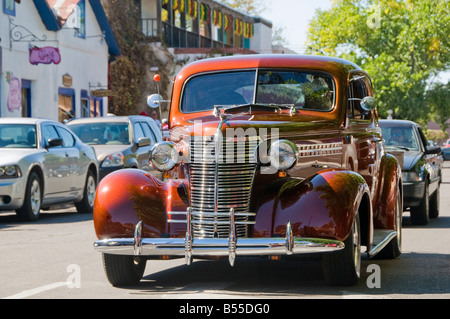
x=204 y=24
x=54 y=58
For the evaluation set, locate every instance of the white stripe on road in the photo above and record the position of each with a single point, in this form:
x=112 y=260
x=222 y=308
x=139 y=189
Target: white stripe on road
x=35 y=291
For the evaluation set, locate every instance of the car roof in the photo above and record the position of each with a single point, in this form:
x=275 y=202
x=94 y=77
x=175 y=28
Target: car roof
x=391 y=123
x=108 y=119
x=24 y=120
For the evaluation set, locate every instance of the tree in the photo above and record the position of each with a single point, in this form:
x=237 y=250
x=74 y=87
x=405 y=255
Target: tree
x=402 y=44
x=128 y=72
x=251 y=7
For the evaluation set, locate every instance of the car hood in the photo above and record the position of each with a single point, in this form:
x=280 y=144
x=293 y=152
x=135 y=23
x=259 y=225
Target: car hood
x=103 y=151
x=14 y=155
x=410 y=159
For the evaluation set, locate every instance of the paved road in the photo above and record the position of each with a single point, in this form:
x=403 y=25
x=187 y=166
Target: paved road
x=54 y=258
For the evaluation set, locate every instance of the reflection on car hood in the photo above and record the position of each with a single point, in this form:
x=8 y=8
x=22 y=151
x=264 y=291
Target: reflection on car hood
x=14 y=155
x=410 y=158
x=103 y=151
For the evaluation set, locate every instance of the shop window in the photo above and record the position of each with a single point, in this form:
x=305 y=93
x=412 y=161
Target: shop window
x=96 y=107
x=66 y=104
x=26 y=98
x=84 y=104
x=9 y=7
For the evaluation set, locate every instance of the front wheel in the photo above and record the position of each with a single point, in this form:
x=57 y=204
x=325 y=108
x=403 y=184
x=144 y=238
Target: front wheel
x=123 y=270
x=343 y=268
x=87 y=203
x=30 y=210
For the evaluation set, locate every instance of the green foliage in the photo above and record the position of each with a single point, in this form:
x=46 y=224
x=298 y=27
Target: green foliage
x=251 y=7
x=127 y=72
x=402 y=44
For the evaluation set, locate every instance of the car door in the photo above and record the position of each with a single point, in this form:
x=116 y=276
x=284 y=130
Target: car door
x=432 y=162
x=56 y=165
x=76 y=170
x=364 y=132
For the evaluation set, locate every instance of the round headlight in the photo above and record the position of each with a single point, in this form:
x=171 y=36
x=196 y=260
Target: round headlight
x=164 y=156
x=283 y=154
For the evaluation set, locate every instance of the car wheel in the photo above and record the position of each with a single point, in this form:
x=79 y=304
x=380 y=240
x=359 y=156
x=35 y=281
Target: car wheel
x=33 y=199
x=87 y=203
x=123 y=270
x=394 y=248
x=420 y=214
x=435 y=202
x=343 y=268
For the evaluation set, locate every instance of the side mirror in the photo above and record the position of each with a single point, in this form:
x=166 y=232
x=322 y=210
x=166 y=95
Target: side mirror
x=154 y=101
x=368 y=103
x=53 y=142
x=144 y=141
x=432 y=150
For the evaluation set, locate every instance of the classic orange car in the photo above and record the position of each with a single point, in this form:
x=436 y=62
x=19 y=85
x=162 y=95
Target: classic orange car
x=268 y=155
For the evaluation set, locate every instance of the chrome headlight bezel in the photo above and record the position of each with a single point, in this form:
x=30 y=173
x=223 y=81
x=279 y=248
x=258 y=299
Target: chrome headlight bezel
x=283 y=154
x=10 y=171
x=113 y=160
x=164 y=156
x=411 y=176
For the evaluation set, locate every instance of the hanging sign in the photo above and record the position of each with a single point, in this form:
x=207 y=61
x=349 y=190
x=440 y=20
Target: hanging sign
x=45 y=55
x=101 y=93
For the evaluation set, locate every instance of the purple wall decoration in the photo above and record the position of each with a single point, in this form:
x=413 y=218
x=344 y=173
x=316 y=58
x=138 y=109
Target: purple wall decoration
x=45 y=55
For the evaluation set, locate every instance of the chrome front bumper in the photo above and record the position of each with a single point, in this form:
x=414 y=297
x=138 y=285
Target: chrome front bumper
x=232 y=246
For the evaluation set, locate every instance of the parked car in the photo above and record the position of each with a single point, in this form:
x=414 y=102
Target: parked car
x=446 y=153
x=447 y=143
x=269 y=155
x=44 y=163
x=421 y=168
x=119 y=141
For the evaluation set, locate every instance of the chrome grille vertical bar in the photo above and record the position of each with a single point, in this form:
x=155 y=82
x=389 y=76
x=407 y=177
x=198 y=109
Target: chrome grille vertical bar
x=218 y=185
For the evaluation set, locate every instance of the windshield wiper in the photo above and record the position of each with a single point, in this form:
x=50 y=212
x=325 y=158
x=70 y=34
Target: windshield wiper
x=399 y=147
x=254 y=107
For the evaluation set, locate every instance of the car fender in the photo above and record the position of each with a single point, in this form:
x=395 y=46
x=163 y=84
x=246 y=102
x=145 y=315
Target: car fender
x=128 y=196
x=323 y=206
x=390 y=184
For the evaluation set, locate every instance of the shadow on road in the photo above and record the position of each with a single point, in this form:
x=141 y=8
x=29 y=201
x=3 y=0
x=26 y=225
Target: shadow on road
x=253 y=277
x=59 y=215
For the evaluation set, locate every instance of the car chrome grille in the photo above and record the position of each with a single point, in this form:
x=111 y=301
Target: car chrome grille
x=218 y=186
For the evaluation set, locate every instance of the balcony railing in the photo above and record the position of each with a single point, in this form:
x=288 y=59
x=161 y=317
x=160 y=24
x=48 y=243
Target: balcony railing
x=175 y=37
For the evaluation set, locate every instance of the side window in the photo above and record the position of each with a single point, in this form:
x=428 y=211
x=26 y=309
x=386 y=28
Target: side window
x=138 y=132
x=148 y=132
x=67 y=137
x=48 y=132
x=359 y=87
x=422 y=138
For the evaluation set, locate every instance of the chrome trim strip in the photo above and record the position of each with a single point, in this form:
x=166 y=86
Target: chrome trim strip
x=217 y=246
x=375 y=250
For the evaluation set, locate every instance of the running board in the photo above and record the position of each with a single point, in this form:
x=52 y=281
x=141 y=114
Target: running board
x=381 y=237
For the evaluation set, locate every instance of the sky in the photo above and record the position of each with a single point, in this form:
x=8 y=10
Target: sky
x=294 y=16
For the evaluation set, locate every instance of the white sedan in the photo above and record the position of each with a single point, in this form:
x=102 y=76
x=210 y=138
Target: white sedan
x=43 y=163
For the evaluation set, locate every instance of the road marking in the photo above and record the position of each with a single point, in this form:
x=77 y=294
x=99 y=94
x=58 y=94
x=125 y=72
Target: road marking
x=35 y=291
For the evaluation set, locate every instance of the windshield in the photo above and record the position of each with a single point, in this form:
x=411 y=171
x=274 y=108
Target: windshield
x=401 y=137
x=18 y=136
x=304 y=90
x=111 y=133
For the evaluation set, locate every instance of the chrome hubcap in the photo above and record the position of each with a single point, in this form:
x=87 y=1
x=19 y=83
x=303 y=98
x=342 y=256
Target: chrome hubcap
x=90 y=190
x=35 y=197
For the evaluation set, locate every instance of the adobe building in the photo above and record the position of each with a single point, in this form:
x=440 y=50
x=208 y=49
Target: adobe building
x=54 y=58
